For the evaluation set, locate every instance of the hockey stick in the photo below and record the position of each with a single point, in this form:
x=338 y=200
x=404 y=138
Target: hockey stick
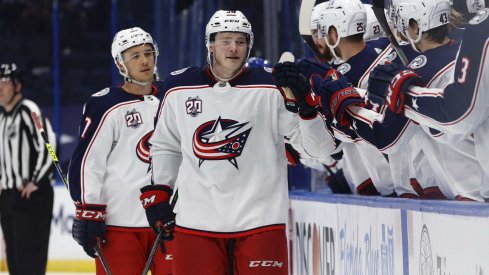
x=378 y=8
x=44 y=136
x=51 y=151
x=287 y=57
x=98 y=249
x=305 y=13
x=158 y=239
x=153 y=251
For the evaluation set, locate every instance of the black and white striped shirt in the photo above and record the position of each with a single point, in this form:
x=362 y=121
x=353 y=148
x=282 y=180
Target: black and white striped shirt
x=23 y=154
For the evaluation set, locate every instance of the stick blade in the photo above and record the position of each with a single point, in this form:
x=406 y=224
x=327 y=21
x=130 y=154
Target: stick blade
x=305 y=16
x=286 y=56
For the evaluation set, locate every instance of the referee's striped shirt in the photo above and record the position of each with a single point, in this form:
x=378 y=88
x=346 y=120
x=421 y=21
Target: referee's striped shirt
x=23 y=154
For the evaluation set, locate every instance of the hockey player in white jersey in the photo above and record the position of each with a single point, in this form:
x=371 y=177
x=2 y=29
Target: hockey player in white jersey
x=219 y=138
x=111 y=162
x=460 y=107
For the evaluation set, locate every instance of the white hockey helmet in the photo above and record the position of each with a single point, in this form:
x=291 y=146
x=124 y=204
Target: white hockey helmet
x=316 y=14
x=228 y=21
x=347 y=16
x=126 y=39
x=373 y=29
x=429 y=14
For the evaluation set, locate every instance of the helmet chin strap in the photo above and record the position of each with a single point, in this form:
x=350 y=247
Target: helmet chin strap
x=333 y=47
x=414 y=41
x=129 y=79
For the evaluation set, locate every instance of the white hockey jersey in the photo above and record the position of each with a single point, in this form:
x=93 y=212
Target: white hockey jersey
x=222 y=145
x=111 y=161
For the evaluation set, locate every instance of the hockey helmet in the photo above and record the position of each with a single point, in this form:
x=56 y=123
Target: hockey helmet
x=10 y=71
x=347 y=16
x=373 y=29
x=228 y=21
x=316 y=14
x=428 y=14
x=126 y=39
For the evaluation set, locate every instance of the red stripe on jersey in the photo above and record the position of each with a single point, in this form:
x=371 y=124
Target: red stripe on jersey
x=87 y=152
x=129 y=229
x=232 y=234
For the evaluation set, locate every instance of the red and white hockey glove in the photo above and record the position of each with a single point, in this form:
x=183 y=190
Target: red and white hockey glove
x=337 y=94
x=89 y=227
x=156 y=202
x=388 y=84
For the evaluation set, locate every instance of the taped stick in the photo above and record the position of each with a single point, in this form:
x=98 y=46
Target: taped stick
x=51 y=151
x=287 y=56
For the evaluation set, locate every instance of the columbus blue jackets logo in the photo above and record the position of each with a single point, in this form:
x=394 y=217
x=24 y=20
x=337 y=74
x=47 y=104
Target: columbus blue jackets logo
x=193 y=105
x=344 y=68
x=142 y=148
x=220 y=139
x=133 y=119
x=418 y=62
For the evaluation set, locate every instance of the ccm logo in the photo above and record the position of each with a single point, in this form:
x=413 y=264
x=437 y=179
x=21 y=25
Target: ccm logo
x=90 y=215
x=169 y=257
x=148 y=201
x=266 y=264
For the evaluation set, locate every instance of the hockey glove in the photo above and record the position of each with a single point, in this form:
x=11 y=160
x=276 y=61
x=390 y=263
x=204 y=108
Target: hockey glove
x=89 y=227
x=156 y=202
x=338 y=94
x=388 y=84
x=309 y=67
x=287 y=74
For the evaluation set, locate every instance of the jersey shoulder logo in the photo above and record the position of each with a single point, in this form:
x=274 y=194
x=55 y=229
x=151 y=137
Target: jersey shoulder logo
x=101 y=93
x=390 y=57
x=479 y=17
x=344 y=68
x=133 y=118
x=193 y=105
x=220 y=139
x=418 y=62
x=142 y=148
x=177 y=72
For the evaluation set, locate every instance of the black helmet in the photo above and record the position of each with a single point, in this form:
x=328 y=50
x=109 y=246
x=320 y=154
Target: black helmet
x=10 y=71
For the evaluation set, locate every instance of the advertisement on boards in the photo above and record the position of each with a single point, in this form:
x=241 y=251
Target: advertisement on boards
x=312 y=238
x=369 y=240
x=447 y=244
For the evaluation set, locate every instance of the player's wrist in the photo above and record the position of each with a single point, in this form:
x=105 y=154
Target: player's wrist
x=341 y=100
x=155 y=194
x=91 y=212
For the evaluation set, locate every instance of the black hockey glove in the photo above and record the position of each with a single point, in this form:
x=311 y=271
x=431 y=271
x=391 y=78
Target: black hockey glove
x=388 y=83
x=337 y=94
x=156 y=202
x=309 y=68
x=287 y=74
x=89 y=227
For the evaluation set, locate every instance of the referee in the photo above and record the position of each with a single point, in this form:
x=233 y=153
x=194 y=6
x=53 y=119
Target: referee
x=26 y=175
